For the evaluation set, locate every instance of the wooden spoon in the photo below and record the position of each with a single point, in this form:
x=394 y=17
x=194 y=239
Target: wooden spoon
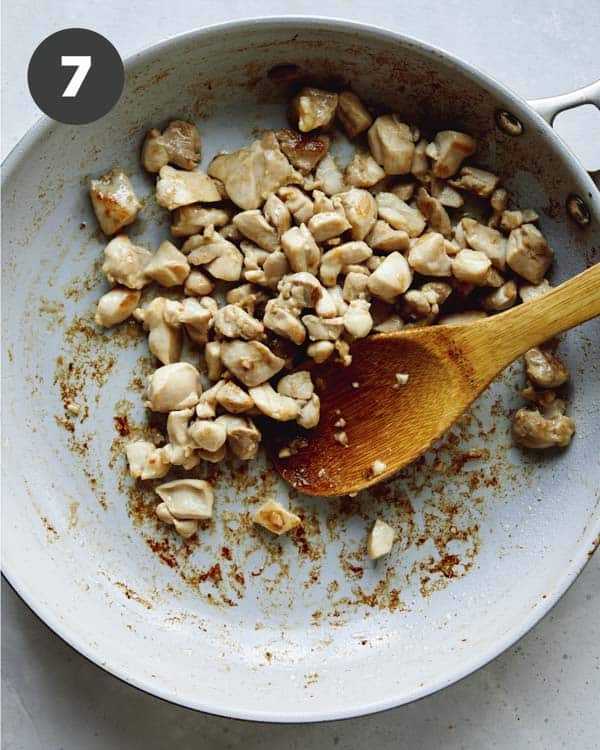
x=448 y=367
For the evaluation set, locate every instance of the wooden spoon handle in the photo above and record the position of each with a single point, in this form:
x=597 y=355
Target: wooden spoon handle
x=513 y=332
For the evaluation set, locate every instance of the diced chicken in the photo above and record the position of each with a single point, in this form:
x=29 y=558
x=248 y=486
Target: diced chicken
x=501 y=298
x=212 y=357
x=329 y=176
x=300 y=290
x=179 y=144
x=114 y=201
x=273 y=404
x=546 y=401
x=277 y=214
x=313 y=108
x=437 y=291
x=189 y=220
x=243 y=438
x=391 y=278
x=198 y=284
x=434 y=213
x=321 y=202
x=252 y=173
x=296 y=385
x=320 y=351
x=356 y=287
x=281 y=320
x=420 y=165
x=403 y=189
x=383 y=237
x=187 y=499
x=233 y=322
x=459 y=319
x=274 y=268
x=420 y=305
x=533 y=430
x=498 y=203
x=335 y=260
x=303 y=151
x=206 y=408
x=357 y=319
x=146 y=461
x=213 y=457
x=485 y=240
x=354 y=117
x=301 y=250
x=392 y=144
x=327 y=224
x=298 y=203
x=428 y=255
x=252 y=224
x=186 y=528
x=125 y=263
x=475 y=180
x=309 y=413
x=399 y=214
x=471 y=266
x=251 y=362
x=168 y=267
x=544 y=369
x=380 y=540
x=448 y=151
x=249 y=297
x=363 y=171
x=173 y=387
x=208 y=435
x=116 y=306
x=530 y=292
x=323 y=329
x=221 y=258
x=177 y=188
x=195 y=315
x=164 y=339
x=446 y=195
x=528 y=254
x=180 y=446
x=514 y=219
x=361 y=211
x=234 y=399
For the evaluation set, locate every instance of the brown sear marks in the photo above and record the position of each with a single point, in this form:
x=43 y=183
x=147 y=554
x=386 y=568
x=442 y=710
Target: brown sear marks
x=121 y=425
x=51 y=533
x=132 y=595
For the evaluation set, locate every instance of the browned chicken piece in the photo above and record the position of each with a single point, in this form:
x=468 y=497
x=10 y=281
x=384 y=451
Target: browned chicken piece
x=544 y=369
x=179 y=144
x=475 y=180
x=533 y=430
x=528 y=254
x=113 y=200
x=448 y=150
x=514 y=219
x=303 y=151
x=363 y=171
x=352 y=114
x=498 y=202
x=486 y=240
x=176 y=187
x=392 y=144
x=250 y=361
x=189 y=220
x=446 y=195
x=313 y=108
x=434 y=212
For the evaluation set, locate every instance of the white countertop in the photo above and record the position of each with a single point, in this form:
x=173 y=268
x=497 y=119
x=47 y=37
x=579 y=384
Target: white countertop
x=542 y=693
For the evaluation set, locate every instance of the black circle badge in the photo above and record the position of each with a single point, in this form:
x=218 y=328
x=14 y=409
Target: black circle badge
x=75 y=76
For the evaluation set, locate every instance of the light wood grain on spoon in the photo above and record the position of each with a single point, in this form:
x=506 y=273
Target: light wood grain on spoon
x=448 y=367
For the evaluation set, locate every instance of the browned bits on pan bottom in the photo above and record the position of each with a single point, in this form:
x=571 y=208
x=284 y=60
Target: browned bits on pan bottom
x=121 y=425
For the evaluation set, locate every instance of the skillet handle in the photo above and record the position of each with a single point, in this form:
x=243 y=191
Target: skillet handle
x=551 y=106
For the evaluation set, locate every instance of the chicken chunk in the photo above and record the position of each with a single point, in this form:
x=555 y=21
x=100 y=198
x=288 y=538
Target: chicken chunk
x=195 y=315
x=448 y=151
x=354 y=117
x=253 y=225
x=233 y=322
x=544 y=369
x=234 y=399
x=281 y=320
x=146 y=461
x=329 y=176
x=357 y=319
x=333 y=261
x=313 y=108
x=328 y=224
x=383 y=237
x=296 y=385
x=498 y=203
x=363 y=171
x=164 y=339
x=298 y=203
x=273 y=404
x=501 y=298
x=221 y=258
x=485 y=240
x=176 y=188
x=514 y=219
x=243 y=438
x=300 y=290
x=208 y=435
x=391 y=278
x=277 y=214
x=528 y=254
x=361 y=211
x=320 y=350
x=433 y=211
x=251 y=362
x=392 y=144
x=173 y=387
x=399 y=214
x=475 y=180
x=380 y=540
x=301 y=250
x=428 y=255
x=116 y=306
x=198 y=284
x=323 y=329
x=114 y=201
x=303 y=151
x=532 y=430
x=471 y=266
x=179 y=144
x=187 y=499
x=168 y=266
x=189 y=220
x=530 y=292
x=125 y=263
x=446 y=195
x=274 y=268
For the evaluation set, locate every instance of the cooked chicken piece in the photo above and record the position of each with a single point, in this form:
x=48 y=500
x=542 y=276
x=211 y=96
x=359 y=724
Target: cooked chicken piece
x=458 y=319
x=279 y=319
x=174 y=387
x=403 y=189
x=168 y=267
x=180 y=446
x=233 y=398
x=233 y=322
x=392 y=144
x=446 y=195
x=437 y=291
x=420 y=165
x=547 y=402
x=212 y=357
x=334 y=261
x=252 y=173
x=321 y=202
x=296 y=385
x=243 y=438
x=189 y=220
x=179 y=144
x=208 y=435
x=221 y=258
x=544 y=369
x=390 y=324
x=498 y=202
x=251 y=362
x=206 y=408
x=354 y=117
x=254 y=256
x=116 y=306
x=391 y=278
x=361 y=211
x=313 y=108
x=197 y=317
x=529 y=292
x=198 y=284
x=528 y=254
x=356 y=287
x=428 y=256
x=501 y=298
x=337 y=295
x=274 y=517
x=327 y=224
x=277 y=214
x=486 y=240
x=380 y=539
x=493 y=278
x=383 y=237
x=177 y=188
x=448 y=150
x=187 y=499
x=329 y=176
x=303 y=151
x=114 y=201
x=301 y=250
x=323 y=329
x=252 y=224
x=357 y=319
x=458 y=236
x=146 y=461
x=320 y=351
x=164 y=339
x=274 y=268
x=125 y=263
x=186 y=528
x=309 y=413
x=533 y=430
x=300 y=290
x=213 y=457
x=273 y=404
x=434 y=212
x=471 y=266
x=399 y=214
x=298 y=203
x=229 y=232
x=363 y=171
x=475 y=180
x=420 y=305
x=514 y=219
